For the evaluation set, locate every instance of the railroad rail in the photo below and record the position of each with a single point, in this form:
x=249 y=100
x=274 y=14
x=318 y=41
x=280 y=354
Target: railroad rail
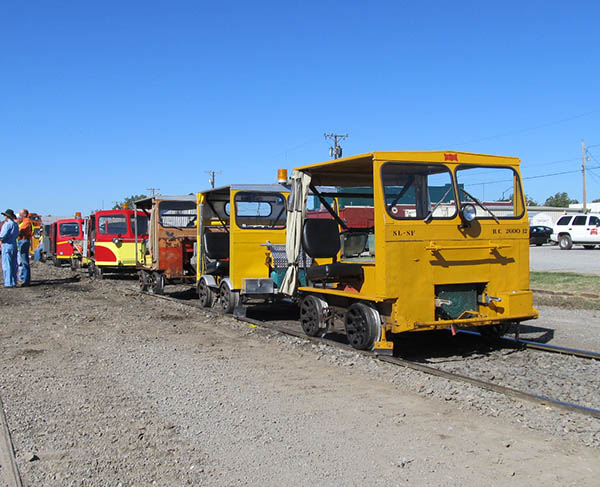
x=8 y=462
x=544 y=347
x=490 y=386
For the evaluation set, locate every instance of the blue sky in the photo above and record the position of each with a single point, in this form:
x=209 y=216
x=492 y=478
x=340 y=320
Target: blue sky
x=103 y=99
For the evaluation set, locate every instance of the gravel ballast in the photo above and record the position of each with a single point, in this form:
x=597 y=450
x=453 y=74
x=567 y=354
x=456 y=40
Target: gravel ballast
x=103 y=386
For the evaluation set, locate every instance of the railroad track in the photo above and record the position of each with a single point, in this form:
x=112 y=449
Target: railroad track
x=9 y=469
x=427 y=369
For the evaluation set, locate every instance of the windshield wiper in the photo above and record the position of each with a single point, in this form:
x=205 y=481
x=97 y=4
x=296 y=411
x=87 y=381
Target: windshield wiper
x=481 y=205
x=429 y=216
x=406 y=187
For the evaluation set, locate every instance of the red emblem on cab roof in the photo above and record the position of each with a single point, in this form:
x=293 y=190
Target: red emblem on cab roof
x=450 y=157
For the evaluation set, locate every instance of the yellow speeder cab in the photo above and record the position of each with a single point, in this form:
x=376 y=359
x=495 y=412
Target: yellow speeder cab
x=410 y=241
x=241 y=255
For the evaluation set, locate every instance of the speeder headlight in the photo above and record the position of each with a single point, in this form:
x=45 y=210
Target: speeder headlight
x=468 y=213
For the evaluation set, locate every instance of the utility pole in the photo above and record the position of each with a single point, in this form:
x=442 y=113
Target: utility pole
x=336 y=150
x=154 y=190
x=583 y=172
x=211 y=177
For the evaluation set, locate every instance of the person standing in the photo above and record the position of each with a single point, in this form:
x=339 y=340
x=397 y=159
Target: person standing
x=23 y=244
x=8 y=237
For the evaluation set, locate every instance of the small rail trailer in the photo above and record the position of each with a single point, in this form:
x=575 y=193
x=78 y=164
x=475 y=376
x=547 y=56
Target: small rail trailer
x=167 y=254
x=444 y=245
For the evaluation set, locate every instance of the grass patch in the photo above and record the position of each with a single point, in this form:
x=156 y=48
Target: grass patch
x=566 y=302
x=565 y=282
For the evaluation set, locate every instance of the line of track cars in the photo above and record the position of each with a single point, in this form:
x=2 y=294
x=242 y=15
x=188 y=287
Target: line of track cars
x=387 y=242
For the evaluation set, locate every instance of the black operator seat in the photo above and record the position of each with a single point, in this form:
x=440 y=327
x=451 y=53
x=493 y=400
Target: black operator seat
x=321 y=240
x=216 y=246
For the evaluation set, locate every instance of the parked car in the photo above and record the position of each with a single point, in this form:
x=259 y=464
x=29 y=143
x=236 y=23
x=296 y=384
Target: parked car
x=572 y=230
x=539 y=235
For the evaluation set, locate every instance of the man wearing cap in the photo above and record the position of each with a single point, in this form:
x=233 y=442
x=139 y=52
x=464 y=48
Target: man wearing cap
x=23 y=244
x=8 y=237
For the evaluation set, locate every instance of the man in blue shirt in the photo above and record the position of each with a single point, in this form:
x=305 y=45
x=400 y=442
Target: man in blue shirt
x=8 y=237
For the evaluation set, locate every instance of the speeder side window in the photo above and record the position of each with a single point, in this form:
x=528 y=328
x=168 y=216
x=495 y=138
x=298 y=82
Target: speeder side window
x=142 y=224
x=418 y=191
x=260 y=210
x=177 y=214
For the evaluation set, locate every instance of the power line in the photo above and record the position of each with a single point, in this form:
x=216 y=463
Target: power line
x=529 y=129
x=538 y=176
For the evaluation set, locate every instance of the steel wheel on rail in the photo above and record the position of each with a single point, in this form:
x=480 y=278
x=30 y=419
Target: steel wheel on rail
x=205 y=294
x=98 y=273
x=228 y=299
x=491 y=333
x=565 y=242
x=75 y=264
x=143 y=280
x=158 y=283
x=363 y=326
x=313 y=312
x=56 y=261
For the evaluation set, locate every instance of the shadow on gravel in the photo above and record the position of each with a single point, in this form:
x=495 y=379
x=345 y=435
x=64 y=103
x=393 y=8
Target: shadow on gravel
x=52 y=282
x=545 y=334
x=120 y=277
x=426 y=346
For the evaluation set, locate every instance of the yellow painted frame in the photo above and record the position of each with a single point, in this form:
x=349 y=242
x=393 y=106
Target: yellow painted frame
x=412 y=256
x=248 y=255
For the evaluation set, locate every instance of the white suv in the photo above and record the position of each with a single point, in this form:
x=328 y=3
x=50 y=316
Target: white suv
x=577 y=229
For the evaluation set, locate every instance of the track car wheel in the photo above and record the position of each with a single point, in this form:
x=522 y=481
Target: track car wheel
x=313 y=316
x=43 y=257
x=205 y=294
x=90 y=269
x=98 y=274
x=75 y=264
x=491 y=333
x=228 y=299
x=565 y=242
x=589 y=247
x=56 y=261
x=158 y=283
x=363 y=326
x=143 y=276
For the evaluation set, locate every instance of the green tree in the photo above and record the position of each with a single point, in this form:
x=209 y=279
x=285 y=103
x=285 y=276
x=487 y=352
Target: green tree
x=529 y=200
x=129 y=201
x=560 y=200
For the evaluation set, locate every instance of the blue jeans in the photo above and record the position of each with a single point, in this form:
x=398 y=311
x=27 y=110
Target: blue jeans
x=9 y=264
x=23 y=259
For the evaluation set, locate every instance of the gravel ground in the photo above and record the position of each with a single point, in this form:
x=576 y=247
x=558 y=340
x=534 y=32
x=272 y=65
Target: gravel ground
x=103 y=386
x=551 y=258
x=575 y=328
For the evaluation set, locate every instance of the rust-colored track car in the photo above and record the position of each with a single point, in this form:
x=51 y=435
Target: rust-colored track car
x=166 y=255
